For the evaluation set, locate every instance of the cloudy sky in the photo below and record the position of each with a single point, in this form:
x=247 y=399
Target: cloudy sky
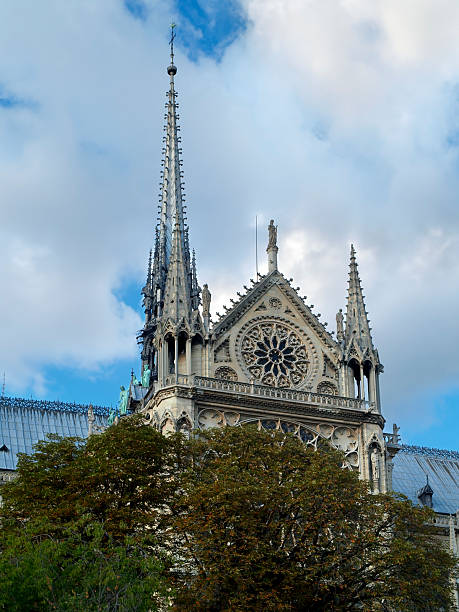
x=337 y=118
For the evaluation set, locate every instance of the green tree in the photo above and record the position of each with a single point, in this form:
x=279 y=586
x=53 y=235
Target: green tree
x=81 y=525
x=83 y=569
x=235 y=519
x=122 y=479
x=266 y=523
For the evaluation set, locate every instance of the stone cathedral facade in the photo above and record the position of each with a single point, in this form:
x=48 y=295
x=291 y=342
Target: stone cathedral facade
x=267 y=360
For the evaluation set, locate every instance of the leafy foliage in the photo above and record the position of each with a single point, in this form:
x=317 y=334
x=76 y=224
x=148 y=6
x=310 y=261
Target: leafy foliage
x=79 y=571
x=81 y=524
x=235 y=519
x=269 y=524
x=122 y=479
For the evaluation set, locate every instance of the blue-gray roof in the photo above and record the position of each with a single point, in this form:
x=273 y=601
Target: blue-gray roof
x=412 y=466
x=23 y=422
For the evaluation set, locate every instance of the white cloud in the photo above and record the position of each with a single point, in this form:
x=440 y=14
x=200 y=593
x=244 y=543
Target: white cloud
x=337 y=119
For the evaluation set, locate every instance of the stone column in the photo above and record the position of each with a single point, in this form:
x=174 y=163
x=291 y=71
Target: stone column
x=372 y=385
x=165 y=360
x=342 y=373
x=272 y=259
x=188 y=357
x=176 y=357
x=159 y=357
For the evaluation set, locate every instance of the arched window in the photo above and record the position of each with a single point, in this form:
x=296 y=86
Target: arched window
x=367 y=379
x=354 y=367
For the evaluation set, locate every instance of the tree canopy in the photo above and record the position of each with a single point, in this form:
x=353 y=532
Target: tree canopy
x=270 y=524
x=233 y=519
x=82 y=523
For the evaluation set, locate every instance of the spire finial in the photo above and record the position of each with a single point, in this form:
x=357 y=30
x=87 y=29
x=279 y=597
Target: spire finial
x=357 y=323
x=172 y=70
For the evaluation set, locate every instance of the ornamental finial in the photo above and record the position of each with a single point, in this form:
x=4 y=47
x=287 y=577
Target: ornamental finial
x=172 y=70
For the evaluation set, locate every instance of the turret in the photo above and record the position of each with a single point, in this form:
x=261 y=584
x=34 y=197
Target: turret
x=360 y=358
x=425 y=494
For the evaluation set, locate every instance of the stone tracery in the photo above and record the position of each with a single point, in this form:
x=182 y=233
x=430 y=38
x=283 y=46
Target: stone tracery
x=225 y=373
x=327 y=387
x=275 y=355
x=341 y=437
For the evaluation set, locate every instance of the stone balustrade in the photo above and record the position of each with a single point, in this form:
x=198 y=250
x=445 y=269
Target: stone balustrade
x=291 y=395
x=179 y=379
x=446 y=520
x=392 y=439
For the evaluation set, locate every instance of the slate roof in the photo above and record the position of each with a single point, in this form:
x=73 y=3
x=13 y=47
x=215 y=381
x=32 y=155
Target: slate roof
x=23 y=422
x=412 y=465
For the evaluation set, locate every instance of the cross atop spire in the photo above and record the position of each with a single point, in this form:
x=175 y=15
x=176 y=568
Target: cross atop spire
x=172 y=69
x=171 y=42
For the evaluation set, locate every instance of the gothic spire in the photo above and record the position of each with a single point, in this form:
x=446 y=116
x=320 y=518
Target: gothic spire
x=171 y=246
x=357 y=322
x=178 y=290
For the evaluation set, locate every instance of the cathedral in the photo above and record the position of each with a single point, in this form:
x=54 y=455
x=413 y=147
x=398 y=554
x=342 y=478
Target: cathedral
x=268 y=360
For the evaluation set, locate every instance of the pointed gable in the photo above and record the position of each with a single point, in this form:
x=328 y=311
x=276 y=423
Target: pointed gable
x=270 y=336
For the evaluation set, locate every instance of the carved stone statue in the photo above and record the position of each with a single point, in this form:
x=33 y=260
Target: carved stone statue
x=395 y=433
x=146 y=374
x=111 y=416
x=123 y=400
x=340 y=324
x=91 y=420
x=272 y=229
x=184 y=428
x=147 y=303
x=206 y=297
x=375 y=466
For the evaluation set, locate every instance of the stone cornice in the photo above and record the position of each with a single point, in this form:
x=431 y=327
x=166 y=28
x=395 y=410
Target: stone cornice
x=234 y=399
x=268 y=406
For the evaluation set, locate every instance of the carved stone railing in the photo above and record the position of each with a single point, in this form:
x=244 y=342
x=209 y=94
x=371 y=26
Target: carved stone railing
x=446 y=520
x=291 y=395
x=392 y=438
x=179 y=379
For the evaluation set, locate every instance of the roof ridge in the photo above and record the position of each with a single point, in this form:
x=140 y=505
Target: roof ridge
x=429 y=451
x=54 y=405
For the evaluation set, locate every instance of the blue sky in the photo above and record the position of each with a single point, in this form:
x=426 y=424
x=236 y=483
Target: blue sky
x=339 y=120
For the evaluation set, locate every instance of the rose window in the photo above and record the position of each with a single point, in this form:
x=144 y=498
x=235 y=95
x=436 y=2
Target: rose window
x=275 y=355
